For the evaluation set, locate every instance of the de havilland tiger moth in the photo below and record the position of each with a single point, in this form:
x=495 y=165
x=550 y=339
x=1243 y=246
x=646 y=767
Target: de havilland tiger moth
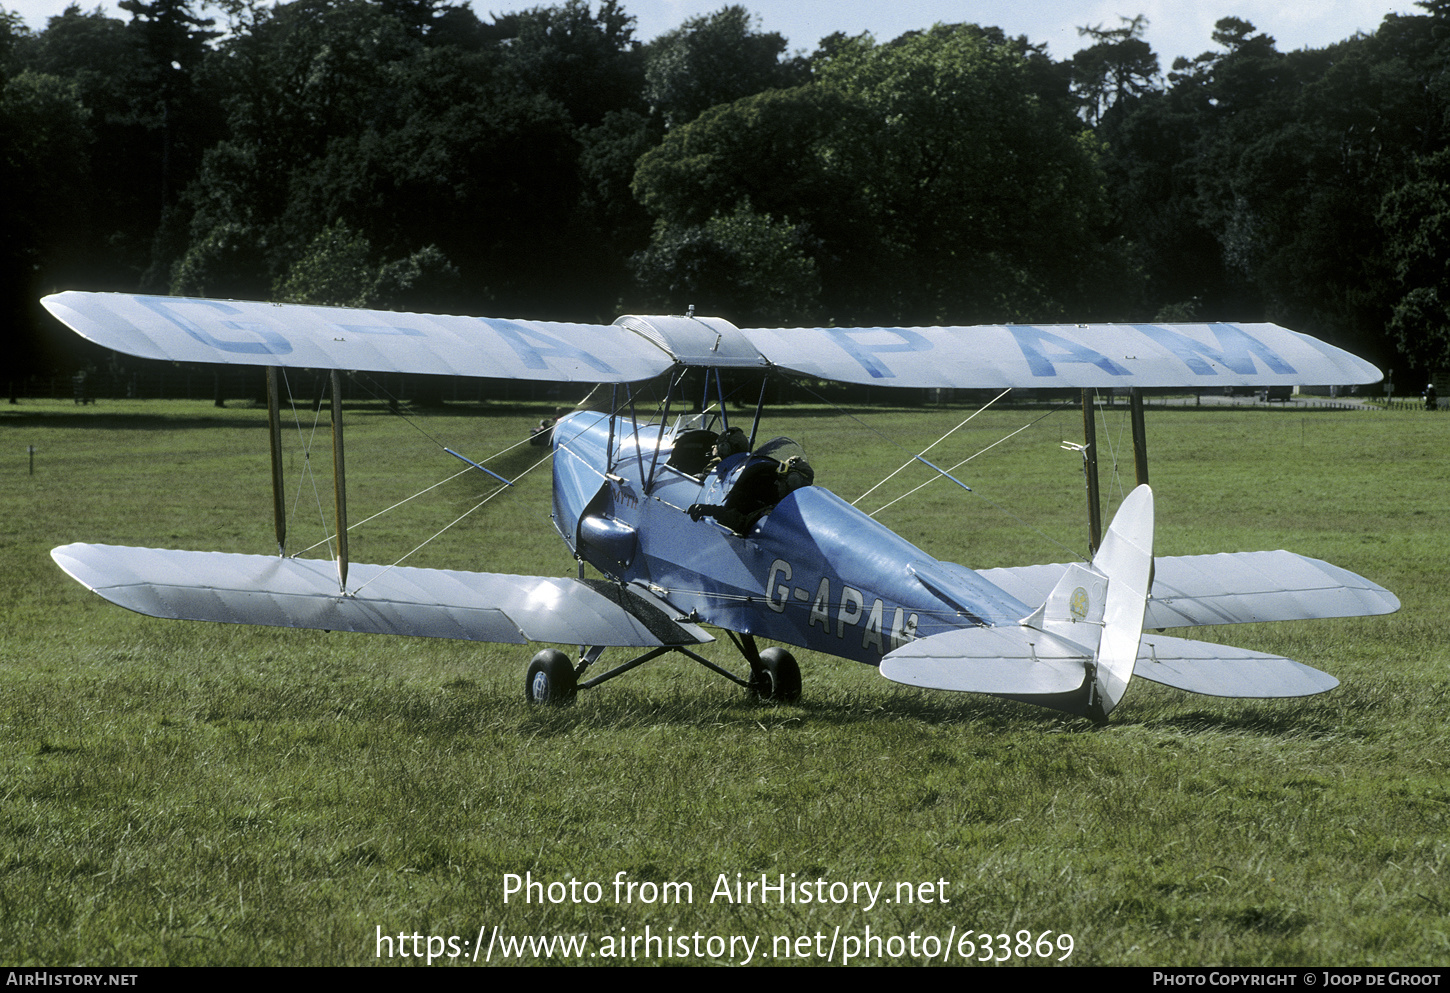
x=696 y=523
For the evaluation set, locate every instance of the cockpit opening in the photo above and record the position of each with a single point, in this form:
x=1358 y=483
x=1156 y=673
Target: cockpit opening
x=764 y=478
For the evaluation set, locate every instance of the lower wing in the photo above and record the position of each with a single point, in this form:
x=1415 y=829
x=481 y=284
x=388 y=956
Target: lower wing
x=1228 y=588
x=430 y=603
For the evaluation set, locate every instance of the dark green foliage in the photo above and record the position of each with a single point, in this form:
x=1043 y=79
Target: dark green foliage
x=751 y=267
x=590 y=64
x=795 y=155
x=545 y=163
x=1253 y=183
x=337 y=270
x=934 y=181
x=1117 y=66
x=1415 y=218
x=713 y=60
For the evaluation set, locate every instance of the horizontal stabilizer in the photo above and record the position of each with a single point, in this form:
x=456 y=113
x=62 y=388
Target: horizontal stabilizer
x=1228 y=588
x=1020 y=661
x=428 y=603
x=1222 y=670
x=1011 y=660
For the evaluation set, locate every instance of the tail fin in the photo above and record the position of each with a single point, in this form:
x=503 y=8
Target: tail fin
x=1100 y=606
x=1126 y=558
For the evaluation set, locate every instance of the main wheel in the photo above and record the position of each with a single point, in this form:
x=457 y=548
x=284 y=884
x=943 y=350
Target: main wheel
x=550 y=679
x=778 y=679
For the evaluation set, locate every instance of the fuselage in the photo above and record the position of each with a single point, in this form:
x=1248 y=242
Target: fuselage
x=810 y=570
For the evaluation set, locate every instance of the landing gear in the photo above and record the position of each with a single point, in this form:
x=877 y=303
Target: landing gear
x=778 y=678
x=774 y=674
x=550 y=679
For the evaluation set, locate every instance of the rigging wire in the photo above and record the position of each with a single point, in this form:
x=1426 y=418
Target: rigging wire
x=963 y=462
x=450 y=524
x=918 y=458
x=589 y=397
x=356 y=524
x=978 y=493
x=1117 y=471
x=306 y=470
x=1114 y=451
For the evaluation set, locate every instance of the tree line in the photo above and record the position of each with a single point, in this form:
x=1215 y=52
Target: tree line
x=410 y=154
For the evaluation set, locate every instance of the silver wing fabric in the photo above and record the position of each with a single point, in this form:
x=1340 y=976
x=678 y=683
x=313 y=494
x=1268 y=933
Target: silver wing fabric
x=1228 y=588
x=1022 y=661
x=1059 y=355
x=1222 y=670
x=1005 y=660
x=428 y=603
x=239 y=332
x=640 y=347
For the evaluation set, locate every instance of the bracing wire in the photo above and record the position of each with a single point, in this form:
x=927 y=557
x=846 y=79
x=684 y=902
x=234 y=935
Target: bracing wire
x=1113 y=450
x=306 y=471
x=963 y=462
x=451 y=523
x=589 y=397
x=1117 y=467
x=907 y=464
x=1031 y=527
x=355 y=524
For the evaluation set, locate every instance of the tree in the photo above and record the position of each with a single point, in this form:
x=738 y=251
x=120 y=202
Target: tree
x=744 y=266
x=936 y=182
x=337 y=112
x=714 y=59
x=1119 y=66
x=43 y=141
x=800 y=156
x=336 y=270
x=1416 y=221
x=103 y=62
x=590 y=64
x=170 y=109
x=13 y=33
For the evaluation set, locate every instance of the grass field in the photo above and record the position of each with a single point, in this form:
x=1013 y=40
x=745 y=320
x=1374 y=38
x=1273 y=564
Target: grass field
x=175 y=793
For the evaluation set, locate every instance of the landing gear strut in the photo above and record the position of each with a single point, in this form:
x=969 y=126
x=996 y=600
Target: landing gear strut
x=774 y=674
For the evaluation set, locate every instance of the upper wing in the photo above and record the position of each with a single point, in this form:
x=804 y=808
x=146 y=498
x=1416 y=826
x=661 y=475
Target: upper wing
x=635 y=348
x=429 y=603
x=240 y=332
x=1063 y=355
x=1228 y=588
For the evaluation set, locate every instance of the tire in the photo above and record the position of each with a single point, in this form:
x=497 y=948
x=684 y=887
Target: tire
x=778 y=680
x=550 y=679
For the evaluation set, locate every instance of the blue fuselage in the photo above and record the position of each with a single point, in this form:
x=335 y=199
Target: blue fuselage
x=810 y=571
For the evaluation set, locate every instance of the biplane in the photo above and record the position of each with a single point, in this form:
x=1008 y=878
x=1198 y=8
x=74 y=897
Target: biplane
x=695 y=523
